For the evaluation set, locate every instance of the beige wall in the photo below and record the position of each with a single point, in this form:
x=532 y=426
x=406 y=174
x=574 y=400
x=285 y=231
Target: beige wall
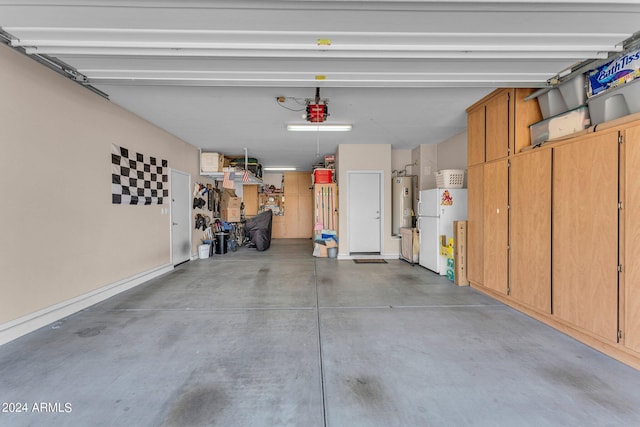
x=452 y=153
x=400 y=159
x=428 y=166
x=365 y=157
x=60 y=235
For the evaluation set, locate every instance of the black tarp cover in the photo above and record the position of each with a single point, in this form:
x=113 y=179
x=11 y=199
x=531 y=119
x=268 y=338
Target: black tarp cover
x=259 y=229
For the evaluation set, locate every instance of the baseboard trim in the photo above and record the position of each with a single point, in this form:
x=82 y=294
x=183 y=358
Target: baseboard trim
x=9 y=331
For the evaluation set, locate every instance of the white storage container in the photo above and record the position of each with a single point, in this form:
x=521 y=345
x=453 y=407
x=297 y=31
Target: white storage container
x=211 y=162
x=203 y=251
x=561 y=125
x=615 y=103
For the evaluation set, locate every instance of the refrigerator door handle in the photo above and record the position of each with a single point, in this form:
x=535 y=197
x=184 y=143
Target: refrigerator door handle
x=419 y=208
x=418 y=223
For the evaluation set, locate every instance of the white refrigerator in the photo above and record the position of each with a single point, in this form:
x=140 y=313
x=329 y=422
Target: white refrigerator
x=437 y=209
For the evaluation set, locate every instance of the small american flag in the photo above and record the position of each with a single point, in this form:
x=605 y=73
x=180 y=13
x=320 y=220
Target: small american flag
x=227 y=181
x=245 y=176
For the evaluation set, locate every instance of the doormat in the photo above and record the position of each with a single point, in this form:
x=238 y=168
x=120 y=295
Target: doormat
x=369 y=261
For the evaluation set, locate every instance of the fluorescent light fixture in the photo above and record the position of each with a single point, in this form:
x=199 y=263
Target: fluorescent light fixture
x=319 y=128
x=278 y=168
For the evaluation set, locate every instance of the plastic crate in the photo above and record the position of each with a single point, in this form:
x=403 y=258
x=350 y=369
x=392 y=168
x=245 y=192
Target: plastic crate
x=450 y=178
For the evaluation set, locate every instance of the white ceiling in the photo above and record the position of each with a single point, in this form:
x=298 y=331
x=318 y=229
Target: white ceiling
x=402 y=72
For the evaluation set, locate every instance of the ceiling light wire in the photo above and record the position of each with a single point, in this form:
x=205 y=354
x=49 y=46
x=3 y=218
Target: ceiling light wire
x=297 y=101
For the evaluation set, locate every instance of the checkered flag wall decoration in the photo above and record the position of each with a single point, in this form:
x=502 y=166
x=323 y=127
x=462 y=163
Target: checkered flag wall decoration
x=137 y=179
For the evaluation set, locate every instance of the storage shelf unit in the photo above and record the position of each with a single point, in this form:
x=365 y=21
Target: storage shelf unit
x=568 y=214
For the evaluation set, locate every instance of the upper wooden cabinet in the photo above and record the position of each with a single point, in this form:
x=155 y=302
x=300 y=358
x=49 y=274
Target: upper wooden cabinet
x=475 y=135
x=290 y=182
x=498 y=115
x=498 y=124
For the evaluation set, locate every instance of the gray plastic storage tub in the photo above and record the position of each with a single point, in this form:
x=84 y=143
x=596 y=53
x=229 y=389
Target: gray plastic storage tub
x=551 y=103
x=574 y=91
x=615 y=103
x=564 y=97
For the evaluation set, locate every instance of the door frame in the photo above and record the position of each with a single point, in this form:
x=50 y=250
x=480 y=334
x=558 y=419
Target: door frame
x=380 y=174
x=171 y=171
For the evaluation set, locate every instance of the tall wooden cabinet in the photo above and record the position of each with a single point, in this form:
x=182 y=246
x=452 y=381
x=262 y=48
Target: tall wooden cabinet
x=585 y=234
x=475 y=223
x=630 y=319
x=298 y=216
x=495 y=225
x=530 y=229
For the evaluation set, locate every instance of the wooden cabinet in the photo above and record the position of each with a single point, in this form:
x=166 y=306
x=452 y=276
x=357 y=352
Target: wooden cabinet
x=278 y=227
x=555 y=232
x=298 y=216
x=530 y=229
x=250 y=200
x=498 y=125
x=497 y=120
x=475 y=135
x=585 y=234
x=495 y=225
x=631 y=261
x=475 y=224
x=525 y=113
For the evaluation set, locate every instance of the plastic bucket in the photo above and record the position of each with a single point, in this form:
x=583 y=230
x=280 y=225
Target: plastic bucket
x=221 y=243
x=203 y=251
x=332 y=252
x=323 y=176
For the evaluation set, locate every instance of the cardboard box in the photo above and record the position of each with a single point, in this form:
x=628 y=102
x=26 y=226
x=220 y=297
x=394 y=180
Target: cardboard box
x=230 y=214
x=321 y=248
x=229 y=200
x=231 y=203
x=460 y=253
x=211 y=162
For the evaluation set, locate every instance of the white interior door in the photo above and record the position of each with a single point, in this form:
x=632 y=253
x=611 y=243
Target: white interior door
x=180 y=217
x=364 y=210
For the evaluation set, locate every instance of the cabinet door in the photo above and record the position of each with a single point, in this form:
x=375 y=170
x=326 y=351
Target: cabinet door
x=278 y=227
x=305 y=219
x=525 y=113
x=585 y=234
x=496 y=225
x=475 y=266
x=632 y=239
x=530 y=229
x=250 y=199
x=497 y=126
x=291 y=215
x=290 y=183
x=475 y=136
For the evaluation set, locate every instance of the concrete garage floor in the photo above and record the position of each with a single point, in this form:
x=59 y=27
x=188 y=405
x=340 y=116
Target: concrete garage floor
x=280 y=338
